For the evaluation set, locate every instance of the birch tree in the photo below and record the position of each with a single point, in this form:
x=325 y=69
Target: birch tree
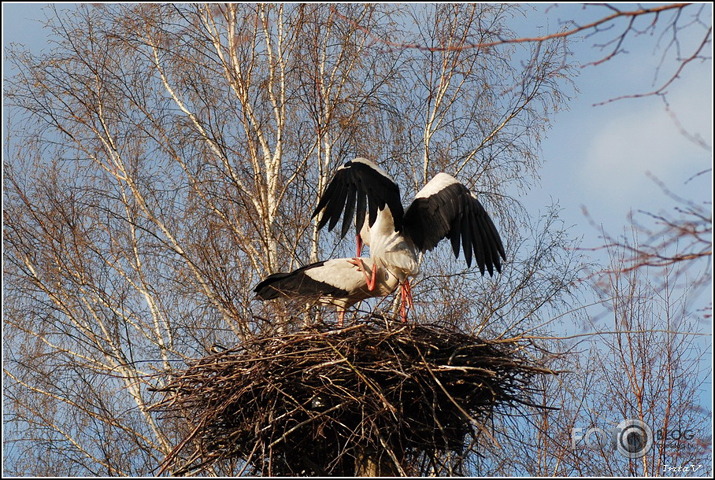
x=162 y=158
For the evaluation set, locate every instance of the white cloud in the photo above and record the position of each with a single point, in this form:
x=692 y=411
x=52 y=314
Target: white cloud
x=638 y=136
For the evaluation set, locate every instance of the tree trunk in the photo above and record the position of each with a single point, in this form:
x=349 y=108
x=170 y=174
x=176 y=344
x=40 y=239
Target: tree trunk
x=369 y=463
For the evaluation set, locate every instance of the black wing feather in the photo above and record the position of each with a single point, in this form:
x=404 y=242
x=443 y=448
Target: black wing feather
x=454 y=239
x=340 y=196
x=360 y=210
x=491 y=248
x=453 y=212
x=466 y=232
x=331 y=208
x=358 y=188
x=429 y=220
x=349 y=209
x=495 y=235
x=487 y=252
x=479 y=244
x=296 y=284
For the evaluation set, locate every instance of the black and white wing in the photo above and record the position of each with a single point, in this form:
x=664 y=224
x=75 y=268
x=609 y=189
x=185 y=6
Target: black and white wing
x=338 y=281
x=358 y=187
x=445 y=208
x=331 y=278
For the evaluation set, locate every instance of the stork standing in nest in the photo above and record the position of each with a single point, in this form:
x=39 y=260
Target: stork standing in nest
x=444 y=208
x=341 y=282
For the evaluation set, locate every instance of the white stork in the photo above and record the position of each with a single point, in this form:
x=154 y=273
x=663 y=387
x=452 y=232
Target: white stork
x=444 y=208
x=341 y=282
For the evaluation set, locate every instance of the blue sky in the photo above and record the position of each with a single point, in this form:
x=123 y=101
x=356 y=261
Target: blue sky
x=595 y=156
x=598 y=156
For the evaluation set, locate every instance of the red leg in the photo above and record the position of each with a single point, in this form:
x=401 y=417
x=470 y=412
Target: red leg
x=403 y=305
x=341 y=317
x=358 y=238
x=373 y=278
x=408 y=293
x=405 y=299
x=370 y=279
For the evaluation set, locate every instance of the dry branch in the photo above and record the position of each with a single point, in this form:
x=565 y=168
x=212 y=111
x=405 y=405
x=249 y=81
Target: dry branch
x=313 y=402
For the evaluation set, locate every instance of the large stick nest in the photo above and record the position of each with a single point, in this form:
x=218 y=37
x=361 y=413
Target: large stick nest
x=318 y=402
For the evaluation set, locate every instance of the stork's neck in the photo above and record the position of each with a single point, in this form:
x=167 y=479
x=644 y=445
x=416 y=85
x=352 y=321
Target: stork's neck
x=384 y=225
x=394 y=251
x=382 y=233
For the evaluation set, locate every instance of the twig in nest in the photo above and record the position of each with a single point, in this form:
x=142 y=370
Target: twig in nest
x=312 y=402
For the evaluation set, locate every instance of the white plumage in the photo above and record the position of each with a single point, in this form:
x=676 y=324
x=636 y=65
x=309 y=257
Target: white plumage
x=444 y=208
x=341 y=282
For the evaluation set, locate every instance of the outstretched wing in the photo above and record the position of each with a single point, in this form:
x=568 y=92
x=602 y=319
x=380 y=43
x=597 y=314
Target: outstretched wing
x=445 y=208
x=358 y=187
